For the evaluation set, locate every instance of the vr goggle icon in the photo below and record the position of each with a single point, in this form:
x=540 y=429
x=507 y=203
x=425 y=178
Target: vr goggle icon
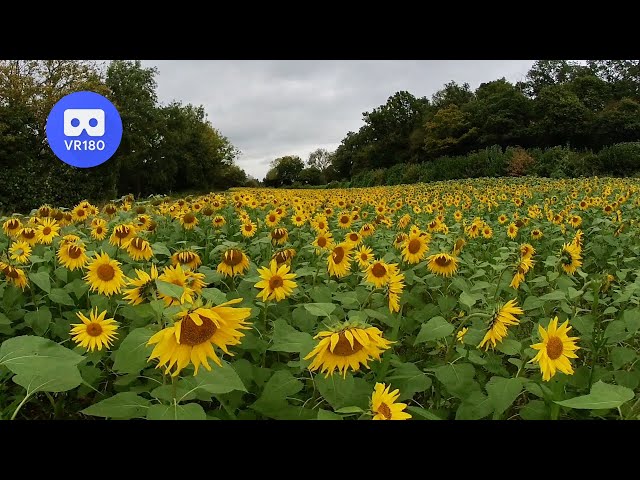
x=78 y=120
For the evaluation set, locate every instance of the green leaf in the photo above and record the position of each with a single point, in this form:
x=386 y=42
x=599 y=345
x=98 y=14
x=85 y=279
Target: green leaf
x=534 y=410
x=602 y=396
x=39 y=320
x=502 y=393
x=42 y=280
x=169 y=289
x=58 y=295
x=474 y=407
x=468 y=299
x=214 y=295
x=272 y=401
x=336 y=390
x=456 y=378
x=217 y=381
x=621 y=356
x=188 y=411
x=349 y=410
x=78 y=287
x=287 y=339
x=509 y=346
x=631 y=319
x=555 y=295
x=4 y=320
x=160 y=249
x=327 y=415
x=320 y=309
x=435 y=328
x=422 y=413
x=531 y=303
x=122 y=406
x=132 y=354
x=409 y=379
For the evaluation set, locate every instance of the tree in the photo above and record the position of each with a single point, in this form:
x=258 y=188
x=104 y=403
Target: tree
x=320 y=158
x=311 y=176
x=546 y=73
x=449 y=132
x=452 y=94
x=284 y=171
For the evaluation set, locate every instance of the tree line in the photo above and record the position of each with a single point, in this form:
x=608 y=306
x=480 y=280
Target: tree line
x=164 y=148
x=580 y=107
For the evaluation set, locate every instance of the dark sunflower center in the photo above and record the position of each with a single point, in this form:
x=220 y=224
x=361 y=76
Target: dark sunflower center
x=414 y=246
x=343 y=348
x=272 y=218
x=378 y=270
x=344 y=219
x=364 y=257
x=46 y=230
x=110 y=209
x=207 y=211
x=189 y=218
x=280 y=257
x=94 y=329
x=13 y=224
x=554 y=347
x=192 y=334
x=106 y=272
x=80 y=213
x=140 y=210
x=248 y=227
x=385 y=410
x=567 y=258
x=353 y=237
x=122 y=232
x=322 y=242
x=28 y=233
x=278 y=233
x=443 y=261
x=99 y=230
x=321 y=225
x=44 y=212
x=233 y=258
x=187 y=257
x=275 y=282
x=138 y=243
x=74 y=251
x=11 y=272
x=338 y=254
x=58 y=216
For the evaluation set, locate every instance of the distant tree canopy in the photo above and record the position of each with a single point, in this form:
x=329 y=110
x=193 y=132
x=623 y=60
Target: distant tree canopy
x=164 y=149
x=560 y=103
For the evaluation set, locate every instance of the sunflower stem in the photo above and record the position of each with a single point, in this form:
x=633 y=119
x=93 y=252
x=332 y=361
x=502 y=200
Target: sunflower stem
x=24 y=400
x=387 y=358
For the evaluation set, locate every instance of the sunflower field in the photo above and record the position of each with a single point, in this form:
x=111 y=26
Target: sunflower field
x=477 y=299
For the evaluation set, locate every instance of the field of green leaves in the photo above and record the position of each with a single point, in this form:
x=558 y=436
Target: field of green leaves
x=478 y=299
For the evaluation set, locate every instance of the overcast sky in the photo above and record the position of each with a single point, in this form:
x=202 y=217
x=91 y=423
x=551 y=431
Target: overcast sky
x=269 y=109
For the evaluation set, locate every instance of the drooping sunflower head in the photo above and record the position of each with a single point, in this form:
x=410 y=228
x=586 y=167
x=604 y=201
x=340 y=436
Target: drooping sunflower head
x=187 y=258
x=122 y=234
x=284 y=256
x=570 y=258
x=144 y=287
x=503 y=317
x=279 y=236
x=138 y=248
x=442 y=264
x=28 y=235
x=458 y=246
x=177 y=276
x=188 y=220
x=44 y=211
x=14 y=275
x=347 y=347
x=94 y=332
x=72 y=255
x=527 y=250
x=12 y=227
x=536 y=234
x=395 y=285
x=233 y=262
x=367 y=230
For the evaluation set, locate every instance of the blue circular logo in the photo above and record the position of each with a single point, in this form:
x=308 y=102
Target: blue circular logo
x=84 y=129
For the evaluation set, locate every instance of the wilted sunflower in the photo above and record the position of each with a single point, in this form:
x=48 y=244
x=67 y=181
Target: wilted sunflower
x=104 y=275
x=138 y=248
x=367 y=230
x=364 y=257
x=379 y=273
x=177 y=276
x=47 y=231
x=28 y=235
x=501 y=320
x=110 y=209
x=415 y=248
x=527 y=250
x=191 y=338
x=72 y=255
x=555 y=350
x=458 y=246
x=12 y=227
x=276 y=282
x=218 y=221
x=122 y=234
x=144 y=287
x=14 y=275
x=570 y=258
x=346 y=347
x=94 y=332
x=383 y=406
x=20 y=251
x=279 y=236
x=248 y=229
x=442 y=264
x=188 y=220
x=234 y=262
x=399 y=240
x=186 y=258
x=339 y=260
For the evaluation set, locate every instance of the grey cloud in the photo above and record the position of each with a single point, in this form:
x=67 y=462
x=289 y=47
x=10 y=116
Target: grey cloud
x=272 y=108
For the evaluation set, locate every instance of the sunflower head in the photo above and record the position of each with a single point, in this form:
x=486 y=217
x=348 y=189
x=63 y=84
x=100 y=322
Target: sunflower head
x=233 y=262
x=555 y=350
x=94 y=332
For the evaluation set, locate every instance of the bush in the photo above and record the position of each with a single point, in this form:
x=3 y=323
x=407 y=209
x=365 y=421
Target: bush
x=520 y=163
x=622 y=159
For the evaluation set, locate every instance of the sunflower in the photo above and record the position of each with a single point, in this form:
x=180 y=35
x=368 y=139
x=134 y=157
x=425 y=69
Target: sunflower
x=346 y=347
x=354 y=238
x=195 y=281
x=339 y=261
x=512 y=231
x=234 y=262
x=415 y=248
x=284 y=256
x=578 y=240
x=367 y=230
x=379 y=272
x=394 y=290
x=218 y=221
x=324 y=241
x=383 y=406
x=110 y=209
x=104 y=275
x=186 y=258
x=72 y=255
x=345 y=220
x=555 y=350
x=94 y=332
x=298 y=220
x=276 y=282
x=12 y=227
x=536 y=234
x=188 y=220
x=248 y=229
x=461 y=333
x=399 y=240
x=191 y=338
x=138 y=249
x=319 y=223
x=20 y=251
x=80 y=213
x=442 y=264
x=458 y=246
x=28 y=235
x=144 y=287
x=527 y=250
x=14 y=275
x=501 y=320
x=523 y=267
x=487 y=232
x=99 y=230
x=575 y=221
x=47 y=231
x=279 y=236
x=122 y=234
x=570 y=258
x=177 y=276
x=272 y=220
x=69 y=238
x=364 y=257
